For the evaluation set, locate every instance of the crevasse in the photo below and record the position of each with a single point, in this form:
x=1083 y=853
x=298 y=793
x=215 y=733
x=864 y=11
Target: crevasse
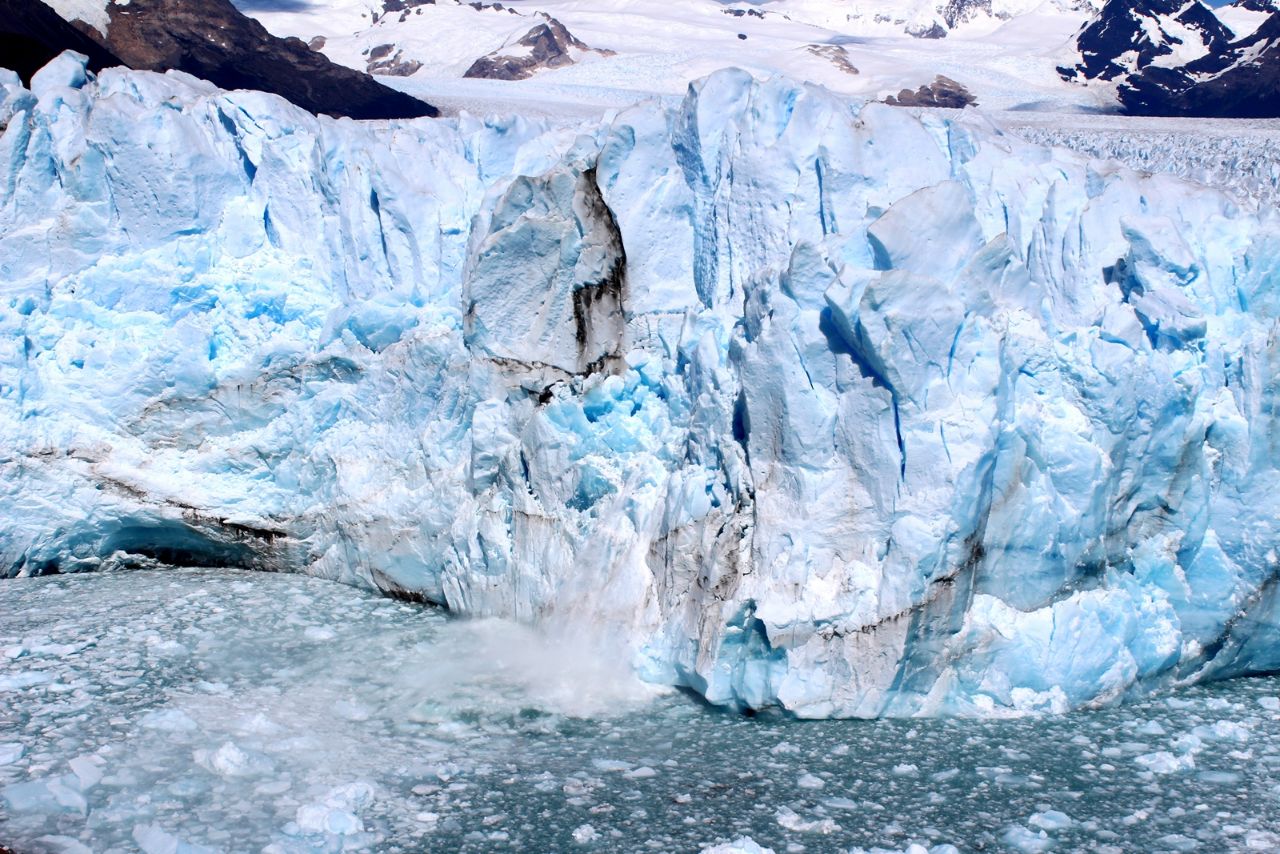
x=812 y=404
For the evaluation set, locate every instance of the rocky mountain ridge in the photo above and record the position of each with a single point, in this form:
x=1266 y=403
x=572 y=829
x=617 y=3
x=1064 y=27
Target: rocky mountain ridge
x=32 y=34
x=213 y=40
x=546 y=45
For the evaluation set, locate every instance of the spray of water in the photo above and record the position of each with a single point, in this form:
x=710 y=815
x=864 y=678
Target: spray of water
x=497 y=666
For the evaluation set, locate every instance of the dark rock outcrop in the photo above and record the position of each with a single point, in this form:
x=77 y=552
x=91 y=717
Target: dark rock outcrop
x=389 y=61
x=937 y=31
x=213 y=40
x=548 y=45
x=1242 y=81
x=32 y=34
x=835 y=54
x=957 y=12
x=942 y=92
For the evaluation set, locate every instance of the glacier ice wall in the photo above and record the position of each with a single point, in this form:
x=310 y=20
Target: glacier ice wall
x=813 y=404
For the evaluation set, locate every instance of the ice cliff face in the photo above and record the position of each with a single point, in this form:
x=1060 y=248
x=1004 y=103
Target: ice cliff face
x=813 y=404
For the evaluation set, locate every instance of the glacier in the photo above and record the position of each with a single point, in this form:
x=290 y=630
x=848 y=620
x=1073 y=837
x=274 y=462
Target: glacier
x=1238 y=157
x=805 y=403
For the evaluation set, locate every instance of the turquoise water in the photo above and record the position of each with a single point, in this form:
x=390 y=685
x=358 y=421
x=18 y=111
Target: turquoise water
x=185 y=709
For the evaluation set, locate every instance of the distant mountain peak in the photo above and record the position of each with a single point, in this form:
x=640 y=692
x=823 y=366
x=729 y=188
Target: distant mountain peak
x=1182 y=58
x=1129 y=35
x=547 y=45
x=1241 y=81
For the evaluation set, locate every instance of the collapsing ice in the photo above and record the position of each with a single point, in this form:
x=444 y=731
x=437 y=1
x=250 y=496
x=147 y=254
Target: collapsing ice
x=817 y=405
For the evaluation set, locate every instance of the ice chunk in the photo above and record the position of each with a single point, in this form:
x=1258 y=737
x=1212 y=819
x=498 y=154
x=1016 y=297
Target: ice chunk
x=1261 y=840
x=23 y=680
x=88 y=770
x=1151 y=728
x=1050 y=820
x=11 y=752
x=65 y=72
x=584 y=834
x=154 y=839
x=49 y=795
x=169 y=720
x=323 y=818
x=64 y=845
x=337 y=812
x=1164 y=762
x=741 y=845
x=1021 y=838
x=809 y=781
x=792 y=820
x=230 y=760
x=320 y=633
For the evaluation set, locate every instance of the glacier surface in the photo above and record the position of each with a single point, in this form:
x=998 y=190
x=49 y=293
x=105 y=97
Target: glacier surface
x=807 y=403
x=1238 y=157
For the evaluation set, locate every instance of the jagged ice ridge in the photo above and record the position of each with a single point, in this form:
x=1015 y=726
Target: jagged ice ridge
x=1241 y=161
x=813 y=404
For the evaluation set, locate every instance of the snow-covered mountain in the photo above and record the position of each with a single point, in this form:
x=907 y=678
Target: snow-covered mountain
x=1129 y=35
x=1180 y=58
x=1242 y=80
x=1003 y=51
x=1015 y=54
x=931 y=19
x=1245 y=16
x=561 y=57
x=808 y=403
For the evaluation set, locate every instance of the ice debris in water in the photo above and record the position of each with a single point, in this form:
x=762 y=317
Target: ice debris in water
x=1164 y=762
x=824 y=405
x=256 y=749
x=791 y=820
x=229 y=760
x=337 y=812
x=154 y=839
x=1050 y=820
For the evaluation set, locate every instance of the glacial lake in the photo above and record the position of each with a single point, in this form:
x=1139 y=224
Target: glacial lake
x=188 y=710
